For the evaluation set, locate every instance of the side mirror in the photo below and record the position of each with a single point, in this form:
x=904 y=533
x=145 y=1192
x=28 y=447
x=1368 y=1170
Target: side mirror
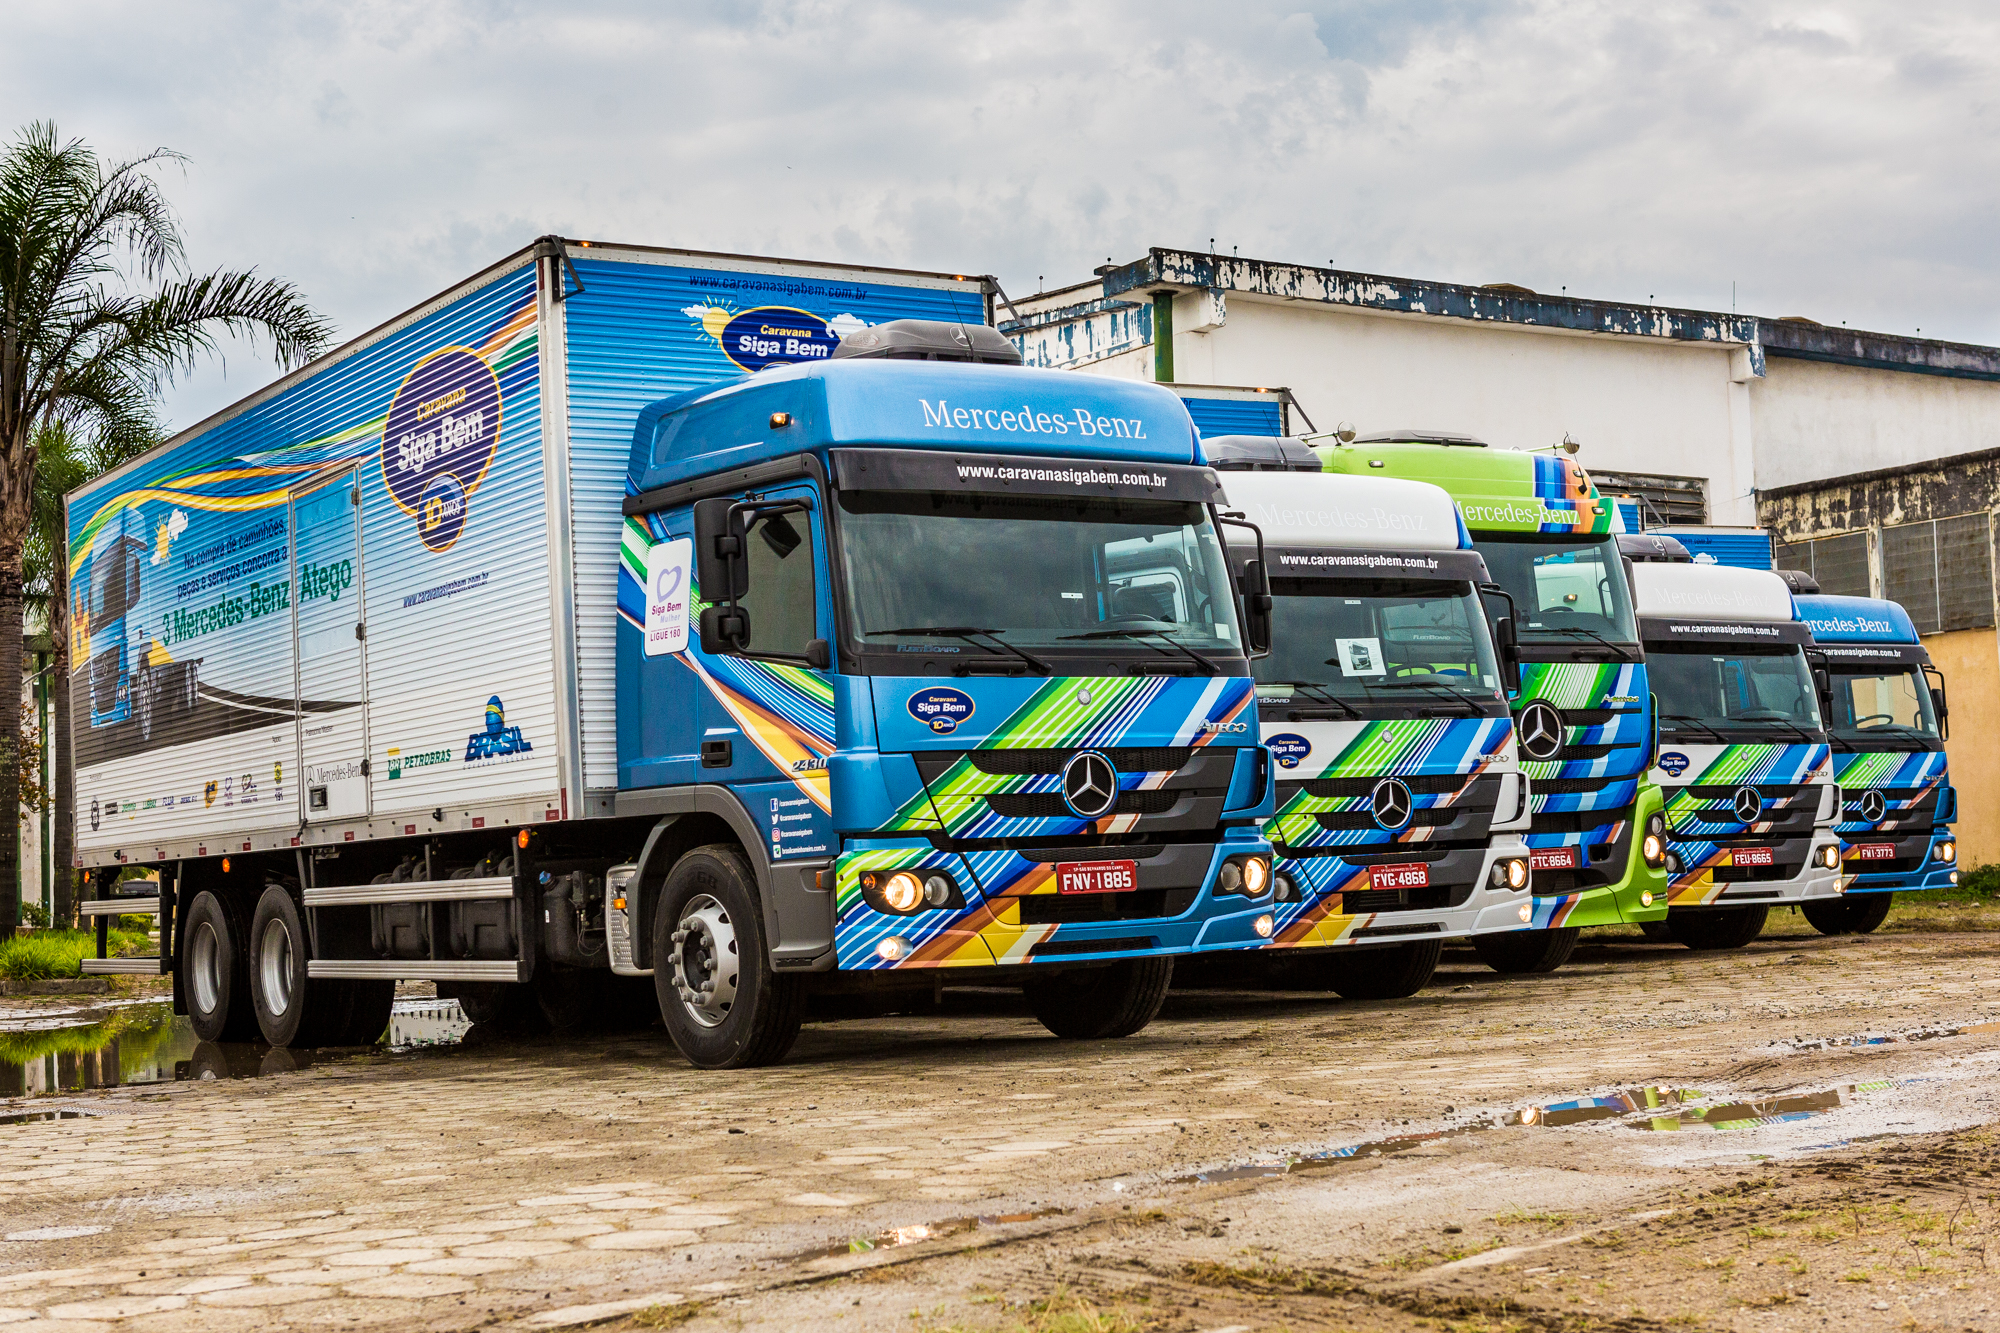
x=1509 y=649
x=819 y=654
x=1942 y=710
x=719 y=563
x=1257 y=604
x=724 y=630
x=1823 y=682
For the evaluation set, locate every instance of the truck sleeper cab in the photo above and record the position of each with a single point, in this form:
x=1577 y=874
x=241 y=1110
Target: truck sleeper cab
x=962 y=642
x=1743 y=757
x=1887 y=719
x=1383 y=700
x=1583 y=715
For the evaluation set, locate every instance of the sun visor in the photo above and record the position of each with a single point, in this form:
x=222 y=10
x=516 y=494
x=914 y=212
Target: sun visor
x=1020 y=474
x=1673 y=592
x=1325 y=512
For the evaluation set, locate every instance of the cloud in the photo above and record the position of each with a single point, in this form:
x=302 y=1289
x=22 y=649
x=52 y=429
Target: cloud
x=1832 y=158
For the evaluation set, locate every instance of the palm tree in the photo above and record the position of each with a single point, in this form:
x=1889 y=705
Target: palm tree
x=61 y=465
x=97 y=312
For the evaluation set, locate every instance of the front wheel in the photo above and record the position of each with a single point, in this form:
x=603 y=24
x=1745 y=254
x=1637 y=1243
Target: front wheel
x=1717 y=928
x=723 y=1004
x=1516 y=952
x=1394 y=973
x=1100 y=1002
x=1859 y=915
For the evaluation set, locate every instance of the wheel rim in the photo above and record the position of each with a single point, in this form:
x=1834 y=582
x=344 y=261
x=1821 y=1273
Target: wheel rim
x=705 y=960
x=204 y=970
x=274 y=967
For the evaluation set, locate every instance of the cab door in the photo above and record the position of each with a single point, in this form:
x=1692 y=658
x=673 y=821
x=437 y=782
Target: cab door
x=329 y=641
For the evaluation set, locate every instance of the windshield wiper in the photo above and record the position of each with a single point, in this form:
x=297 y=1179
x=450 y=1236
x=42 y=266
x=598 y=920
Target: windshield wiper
x=1319 y=691
x=1804 y=735
x=1533 y=630
x=965 y=632
x=1208 y=668
x=1699 y=722
x=1441 y=691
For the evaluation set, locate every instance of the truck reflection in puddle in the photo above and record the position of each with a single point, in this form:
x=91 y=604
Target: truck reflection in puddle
x=148 y=1044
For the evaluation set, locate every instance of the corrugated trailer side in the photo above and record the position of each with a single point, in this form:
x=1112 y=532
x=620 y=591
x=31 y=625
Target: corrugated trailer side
x=650 y=323
x=289 y=632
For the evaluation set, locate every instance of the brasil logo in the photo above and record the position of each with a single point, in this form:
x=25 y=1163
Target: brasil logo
x=772 y=335
x=499 y=739
x=440 y=437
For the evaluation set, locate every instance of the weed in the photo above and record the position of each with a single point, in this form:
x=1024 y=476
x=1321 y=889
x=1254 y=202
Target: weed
x=1540 y=1217
x=1764 y=1233
x=1858 y=1275
x=668 y=1316
x=51 y=955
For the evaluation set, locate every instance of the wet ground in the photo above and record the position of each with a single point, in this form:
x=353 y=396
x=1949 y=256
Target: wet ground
x=1793 y=1136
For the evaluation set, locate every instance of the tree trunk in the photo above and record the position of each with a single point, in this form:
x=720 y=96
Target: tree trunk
x=10 y=721
x=63 y=851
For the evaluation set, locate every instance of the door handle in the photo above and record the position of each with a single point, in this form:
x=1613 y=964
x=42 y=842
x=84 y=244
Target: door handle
x=717 y=754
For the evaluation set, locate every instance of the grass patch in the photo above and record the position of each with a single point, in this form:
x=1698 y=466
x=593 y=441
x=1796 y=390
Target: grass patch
x=55 y=955
x=140 y=1030
x=668 y=1316
x=1063 y=1311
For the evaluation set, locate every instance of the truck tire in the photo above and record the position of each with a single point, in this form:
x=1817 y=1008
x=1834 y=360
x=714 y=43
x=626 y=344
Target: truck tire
x=1521 y=951
x=215 y=974
x=1394 y=973
x=1859 y=915
x=1718 y=928
x=1656 y=932
x=367 y=1013
x=1100 y=1002
x=724 y=1005
x=573 y=1000
x=292 y=1009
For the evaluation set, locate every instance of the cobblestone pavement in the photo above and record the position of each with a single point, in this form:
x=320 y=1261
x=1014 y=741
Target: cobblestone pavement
x=548 y=1184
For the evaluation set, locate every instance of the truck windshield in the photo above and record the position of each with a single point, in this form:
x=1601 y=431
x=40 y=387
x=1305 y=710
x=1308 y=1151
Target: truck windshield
x=1025 y=579
x=1569 y=590
x=1879 y=704
x=1384 y=641
x=1765 y=692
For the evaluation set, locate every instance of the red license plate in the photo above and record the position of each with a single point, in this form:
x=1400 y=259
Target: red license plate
x=1097 y=876
x=1875 y=851
x=1416 y=876
x=1754 y=856
x=1552 y=858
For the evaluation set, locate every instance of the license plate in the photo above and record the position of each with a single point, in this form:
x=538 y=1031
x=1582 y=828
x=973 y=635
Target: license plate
x=1417 y=876
x=1754 y=856
x=1097 y=876
x=1875 y=851
x=1552 y=858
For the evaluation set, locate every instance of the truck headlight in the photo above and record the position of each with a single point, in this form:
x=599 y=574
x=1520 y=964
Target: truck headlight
x=1287 y=890
x=1653 y=847
x=1247 y=875
x=1511 y=873
x=1829 y=856
x=906 y=892
x=1947 y=852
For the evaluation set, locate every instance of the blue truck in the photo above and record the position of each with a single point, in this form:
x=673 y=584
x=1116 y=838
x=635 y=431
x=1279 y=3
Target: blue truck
x=629 y=631
x=1887 y=717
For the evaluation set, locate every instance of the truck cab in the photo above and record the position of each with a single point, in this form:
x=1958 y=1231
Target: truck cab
x=1402 y=807
x=961 y=642
x=1887 y=718
x=1583 y=716
x=1743 y=756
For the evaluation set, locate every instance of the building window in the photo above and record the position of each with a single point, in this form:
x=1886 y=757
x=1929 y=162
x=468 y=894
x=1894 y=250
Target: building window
x=1941 y=571
x=1838 y=564
x=1663 y=501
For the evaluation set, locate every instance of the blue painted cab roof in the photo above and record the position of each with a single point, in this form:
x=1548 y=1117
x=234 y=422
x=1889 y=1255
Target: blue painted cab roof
x=1855 y=619
x=943 y=405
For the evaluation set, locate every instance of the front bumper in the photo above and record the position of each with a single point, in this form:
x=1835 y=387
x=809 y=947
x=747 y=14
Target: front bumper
x=1639 y=896
x=1013 y=916
x=1338 y=907
x=1812 y=882
x=1927 y=873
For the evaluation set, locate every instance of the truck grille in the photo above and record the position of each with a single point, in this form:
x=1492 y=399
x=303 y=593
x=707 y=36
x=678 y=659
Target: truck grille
x=1050 y=804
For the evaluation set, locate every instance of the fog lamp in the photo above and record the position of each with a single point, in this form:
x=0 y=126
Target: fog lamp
x=1263 y=925
x=891 y=948
x=1527 y=913
x=1645 y=897
x=1953 y=877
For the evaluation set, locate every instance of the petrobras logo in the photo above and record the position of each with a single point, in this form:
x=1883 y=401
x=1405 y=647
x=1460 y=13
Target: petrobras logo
x=1673 y=763
x=1288 y=748
x=942 y=710
x=498 y=741
x=440 y=436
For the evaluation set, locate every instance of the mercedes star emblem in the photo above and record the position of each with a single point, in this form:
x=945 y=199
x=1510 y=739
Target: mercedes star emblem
x=1748 y=804
x=1541 y=731
x=1873 y=805
x=1391 y=804
x=1090 y=785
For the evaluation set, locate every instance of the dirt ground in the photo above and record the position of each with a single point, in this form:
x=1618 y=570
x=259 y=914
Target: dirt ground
x=1798 y=1135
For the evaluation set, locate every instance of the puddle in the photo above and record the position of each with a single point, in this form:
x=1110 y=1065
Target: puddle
x=1608 y=1107
x=895 y=1236
x=1883 y=1038
x=79 y=1050
x=1286 y=1166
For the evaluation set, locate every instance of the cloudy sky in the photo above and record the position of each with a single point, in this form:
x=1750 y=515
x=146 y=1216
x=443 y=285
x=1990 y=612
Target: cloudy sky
x=1832 y=159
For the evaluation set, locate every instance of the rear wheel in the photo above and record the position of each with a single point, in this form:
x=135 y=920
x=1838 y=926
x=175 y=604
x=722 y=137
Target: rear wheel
x=1858 y=915
x=1656 y=931
x=215 y=976
x=1395 y=973
x=1519 y=951
x=292 y=1009
x=1099 y=1002
x=367 y=1013
x=723 y=1004
x=1717 y=927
